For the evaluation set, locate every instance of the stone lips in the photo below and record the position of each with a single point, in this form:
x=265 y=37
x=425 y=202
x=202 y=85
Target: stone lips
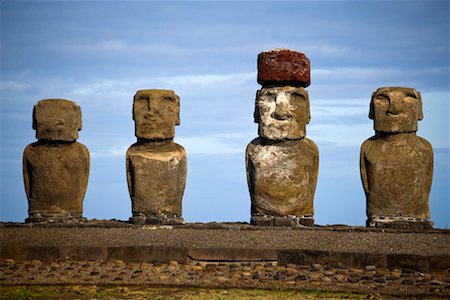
x=283 y=67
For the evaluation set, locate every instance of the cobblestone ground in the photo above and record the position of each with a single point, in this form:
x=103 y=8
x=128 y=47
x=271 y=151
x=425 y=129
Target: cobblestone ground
x=269 y=275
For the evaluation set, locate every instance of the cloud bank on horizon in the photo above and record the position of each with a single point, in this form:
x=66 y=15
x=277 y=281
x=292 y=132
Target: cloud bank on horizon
x=99 y=54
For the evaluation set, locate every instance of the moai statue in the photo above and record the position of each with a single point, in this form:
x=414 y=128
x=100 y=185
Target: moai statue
x=56 y=167
x=156 y=166
x=282 y=164
x=396 y=164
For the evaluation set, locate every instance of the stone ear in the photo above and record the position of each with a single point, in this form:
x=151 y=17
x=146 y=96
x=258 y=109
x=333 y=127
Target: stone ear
x=132 y=108
x=79 y=120
x=256 y=112
x=308 y=109
x=420 y=106
x=371 y=111
x=34 y=118
x=177 y=120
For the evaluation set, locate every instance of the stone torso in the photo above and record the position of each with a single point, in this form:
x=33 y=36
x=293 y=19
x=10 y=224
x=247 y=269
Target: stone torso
x=156 y=175
x=55 y=176
x=282 y=176
x=397 y=173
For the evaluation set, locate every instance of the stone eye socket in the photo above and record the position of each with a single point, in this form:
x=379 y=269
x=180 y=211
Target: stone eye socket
x=381 y=97
x=411 y=95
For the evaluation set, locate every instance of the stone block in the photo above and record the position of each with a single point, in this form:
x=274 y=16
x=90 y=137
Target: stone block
x=156 y=174
x=396 y=164
x=408 y=261
x=281 y=67
x=232 y=254
x=282 y=177
x=282 y=112
x=156 y=113
x=57 y=120
x=153 y=254
x=55 y=177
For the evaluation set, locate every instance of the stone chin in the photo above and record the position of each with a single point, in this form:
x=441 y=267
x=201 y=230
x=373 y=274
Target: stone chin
x=281 y=131
x=396 y=126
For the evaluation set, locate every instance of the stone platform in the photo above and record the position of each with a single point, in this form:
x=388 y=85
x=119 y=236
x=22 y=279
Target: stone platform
x=330 y=258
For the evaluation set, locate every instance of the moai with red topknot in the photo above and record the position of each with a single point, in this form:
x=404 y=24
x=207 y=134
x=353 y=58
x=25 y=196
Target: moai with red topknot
x=396 y=164
x=56 y=167
x=156 y=166
x=282 y=164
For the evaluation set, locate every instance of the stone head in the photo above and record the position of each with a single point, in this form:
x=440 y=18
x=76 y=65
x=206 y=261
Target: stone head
x=282 y=112
x=396 y=109
x=57 y=120
x=156 y=112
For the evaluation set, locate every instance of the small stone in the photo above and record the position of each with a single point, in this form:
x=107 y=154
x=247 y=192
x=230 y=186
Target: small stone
x=408 y=281
x=173 y=263
x=356 y=270
x=326 y=279
x=340 y=278
x=314 y=277
x=291 y=270
x=316 y=266
x=163 y=277
x=36 y=262
x=436 y=282
x=119 y=262
x=258 y=268
x=197 y=268
x=371 y=268
x=9 y=261
x=290 y=282
x=246 y=274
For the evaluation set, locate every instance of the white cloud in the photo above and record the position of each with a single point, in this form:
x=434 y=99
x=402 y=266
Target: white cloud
x=338 y=75
x=111 y=152
x=341 y=135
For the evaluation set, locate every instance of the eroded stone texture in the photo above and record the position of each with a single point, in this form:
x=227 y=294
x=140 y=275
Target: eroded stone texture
x=156 y=112
x=57 y=120
x=156 y=166
x=282 y=112
x=396 y=164
x=56 y=167
x=280 y=67
x=282 y=164
x=282 y=177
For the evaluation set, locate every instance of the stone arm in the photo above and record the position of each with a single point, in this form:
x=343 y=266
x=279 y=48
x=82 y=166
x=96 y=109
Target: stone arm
x=86 y=168
x=128 y=170
x=315 y=167
x=26 y=175
x=249 y=170
x=363 y=170
x=429 y=173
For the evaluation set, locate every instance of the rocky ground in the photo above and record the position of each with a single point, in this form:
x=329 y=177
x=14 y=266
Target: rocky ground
x=88 y=277
x=226 y=256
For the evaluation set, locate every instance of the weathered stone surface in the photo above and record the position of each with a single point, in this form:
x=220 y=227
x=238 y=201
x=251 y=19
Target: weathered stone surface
x=55 y=177
x=282 y=176
x=156 y=166
x=56 y=168
x=282 y=112
x=282 y=164
x=396 y=164
x=156 y=174
x=156 y=112
x=289 y=221
x=57 y=120
x=281 y=67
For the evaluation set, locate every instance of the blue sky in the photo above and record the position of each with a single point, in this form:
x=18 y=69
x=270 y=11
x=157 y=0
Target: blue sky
x=98 y=53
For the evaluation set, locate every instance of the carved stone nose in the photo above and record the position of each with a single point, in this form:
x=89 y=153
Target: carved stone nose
x=282 y=111
x=394 y=105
